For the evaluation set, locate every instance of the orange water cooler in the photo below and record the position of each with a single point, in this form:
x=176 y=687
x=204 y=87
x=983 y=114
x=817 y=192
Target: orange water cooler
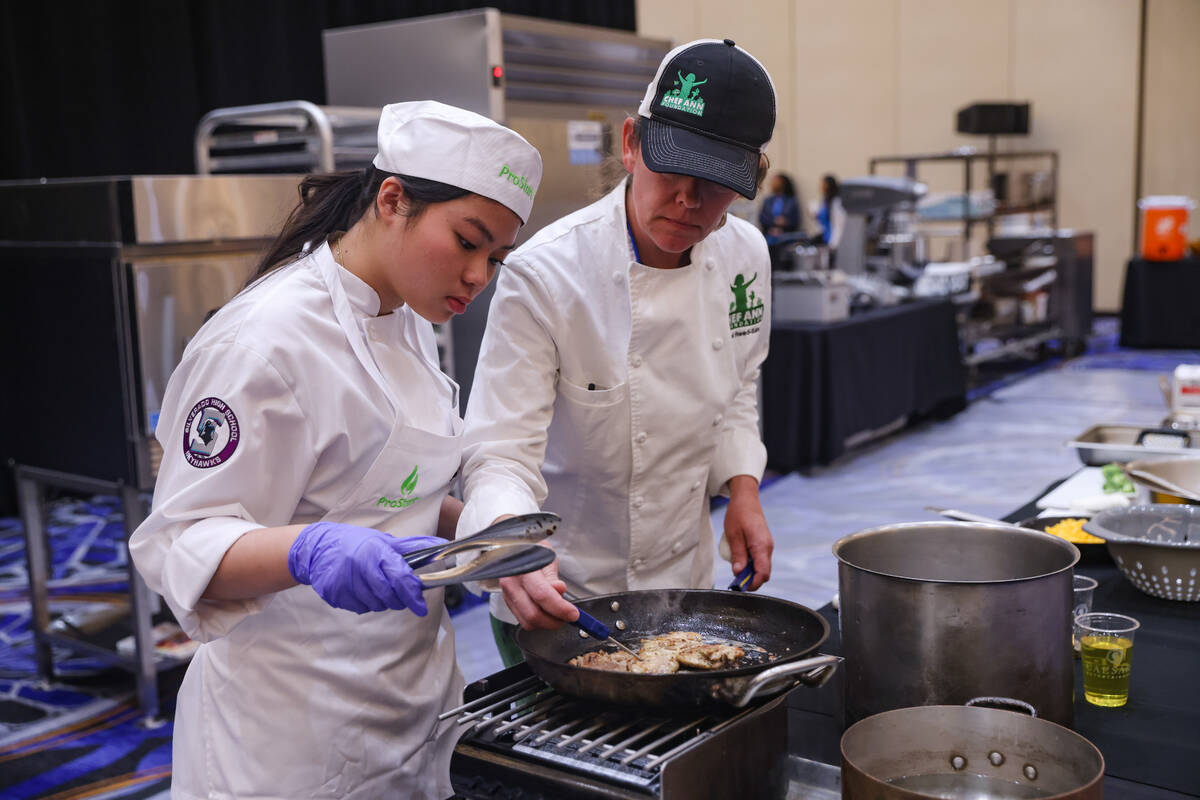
x=1164 y=226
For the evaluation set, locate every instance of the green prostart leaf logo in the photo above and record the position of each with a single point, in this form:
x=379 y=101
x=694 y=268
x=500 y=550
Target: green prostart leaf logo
x=686 y=95
x=746 y=310
x=520 y=181
x=406 y=497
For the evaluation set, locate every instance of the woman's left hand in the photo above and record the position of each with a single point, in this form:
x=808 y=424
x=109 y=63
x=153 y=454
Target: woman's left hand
x=746 y=530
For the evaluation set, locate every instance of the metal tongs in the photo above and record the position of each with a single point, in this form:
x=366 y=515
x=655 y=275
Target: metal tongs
x=965 y=516
x=507 y=547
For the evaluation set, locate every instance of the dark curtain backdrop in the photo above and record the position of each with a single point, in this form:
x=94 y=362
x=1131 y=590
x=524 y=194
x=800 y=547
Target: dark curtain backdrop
x=117 y=87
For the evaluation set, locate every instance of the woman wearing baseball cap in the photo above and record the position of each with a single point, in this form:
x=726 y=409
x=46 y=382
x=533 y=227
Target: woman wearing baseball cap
x=616 y=383
x=309 y=439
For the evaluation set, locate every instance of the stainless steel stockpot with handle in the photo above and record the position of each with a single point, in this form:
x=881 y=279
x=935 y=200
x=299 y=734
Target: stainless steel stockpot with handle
x=967 y=752
x=938 y=613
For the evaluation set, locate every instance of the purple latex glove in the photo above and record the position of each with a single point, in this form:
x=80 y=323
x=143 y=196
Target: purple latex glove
x=359 y=569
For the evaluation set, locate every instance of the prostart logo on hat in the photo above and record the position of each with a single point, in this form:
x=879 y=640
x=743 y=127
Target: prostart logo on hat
x=520 y=181
x=709 y=113
x=439 y=142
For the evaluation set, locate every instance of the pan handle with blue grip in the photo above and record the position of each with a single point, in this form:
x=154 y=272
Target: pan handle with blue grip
x=743 y=578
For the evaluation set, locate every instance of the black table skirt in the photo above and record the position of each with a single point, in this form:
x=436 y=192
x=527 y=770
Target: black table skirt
x=824 y=382
x=1160 y=304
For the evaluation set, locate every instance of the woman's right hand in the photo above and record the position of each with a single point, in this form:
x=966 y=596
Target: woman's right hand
x=359 y=569
x=536 y=600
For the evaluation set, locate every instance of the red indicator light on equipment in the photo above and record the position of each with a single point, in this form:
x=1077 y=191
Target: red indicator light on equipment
x=497 y=74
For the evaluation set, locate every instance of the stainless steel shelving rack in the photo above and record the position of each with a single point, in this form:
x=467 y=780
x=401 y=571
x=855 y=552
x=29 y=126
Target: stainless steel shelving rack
x=1067 y=253
x=969 y=157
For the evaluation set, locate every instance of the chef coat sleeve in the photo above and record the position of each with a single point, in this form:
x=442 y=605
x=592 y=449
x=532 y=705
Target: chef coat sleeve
x=198 y=513
x=511 y=403
x=740 y=449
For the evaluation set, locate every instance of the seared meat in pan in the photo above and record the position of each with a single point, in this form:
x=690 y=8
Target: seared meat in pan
x=664 y=654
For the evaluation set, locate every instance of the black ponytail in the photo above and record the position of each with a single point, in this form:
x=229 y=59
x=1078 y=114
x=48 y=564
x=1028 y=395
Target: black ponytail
x=335 y=201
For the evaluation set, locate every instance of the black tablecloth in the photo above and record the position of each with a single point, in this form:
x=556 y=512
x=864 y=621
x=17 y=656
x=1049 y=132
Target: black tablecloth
x=824 y=382
x=1159 y=308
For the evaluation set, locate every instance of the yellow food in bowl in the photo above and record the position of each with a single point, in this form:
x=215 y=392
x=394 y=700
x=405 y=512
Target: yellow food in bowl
x=1072 y=530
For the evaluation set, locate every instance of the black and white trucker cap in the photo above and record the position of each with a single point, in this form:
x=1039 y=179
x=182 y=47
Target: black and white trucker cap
x=709 y=112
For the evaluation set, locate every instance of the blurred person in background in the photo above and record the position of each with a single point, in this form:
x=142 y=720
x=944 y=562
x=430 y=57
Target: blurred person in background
x=780 y=210
x=829 y=213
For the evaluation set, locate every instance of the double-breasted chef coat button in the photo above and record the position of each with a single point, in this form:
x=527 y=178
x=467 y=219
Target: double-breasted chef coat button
x=637 y=502
x=717 y=419
x=708 y=266
x=695 y=485
x=641 y=437
x=636 y=361
x=718 y=344
x=675 y=548
x=616 y=277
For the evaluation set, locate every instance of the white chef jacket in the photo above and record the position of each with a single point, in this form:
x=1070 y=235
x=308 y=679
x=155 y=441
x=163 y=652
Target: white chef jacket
x=620 y=397
x=334 y=408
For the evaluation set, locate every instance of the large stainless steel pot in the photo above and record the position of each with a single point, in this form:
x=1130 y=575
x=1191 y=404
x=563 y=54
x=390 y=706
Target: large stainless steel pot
x=966 y=752
x=942 y=612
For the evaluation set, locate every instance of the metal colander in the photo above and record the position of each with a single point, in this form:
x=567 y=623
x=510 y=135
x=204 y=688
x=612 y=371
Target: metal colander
x=1156 y=546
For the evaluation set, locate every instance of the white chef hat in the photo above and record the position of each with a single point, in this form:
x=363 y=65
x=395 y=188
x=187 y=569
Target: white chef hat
x=431 y=140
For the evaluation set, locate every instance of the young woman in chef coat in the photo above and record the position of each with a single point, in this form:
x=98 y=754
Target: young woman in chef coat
x=309 y=439
x=616 y=383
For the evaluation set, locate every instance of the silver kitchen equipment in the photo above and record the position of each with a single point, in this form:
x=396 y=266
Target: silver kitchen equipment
x=488 y=561
x=968 y=751
x=130 y=267
x=878 y=218
x=114 y=275
x=522 y=529
x=292 y=136
x=566 y=88
x=966 y=516
x=1156 y=546
x=1105 y=444
x=523 y=739
x=941 y=612
x=1177 y=479
x=810 y=296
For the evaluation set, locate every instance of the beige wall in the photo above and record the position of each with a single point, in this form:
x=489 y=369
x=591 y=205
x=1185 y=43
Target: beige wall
x=859 y=78
x=1171 y=144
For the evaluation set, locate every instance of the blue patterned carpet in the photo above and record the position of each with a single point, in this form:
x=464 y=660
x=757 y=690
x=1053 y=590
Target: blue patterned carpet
x=80 y=736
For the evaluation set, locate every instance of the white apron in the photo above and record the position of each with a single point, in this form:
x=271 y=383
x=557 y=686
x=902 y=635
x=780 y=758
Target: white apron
x=305 y=700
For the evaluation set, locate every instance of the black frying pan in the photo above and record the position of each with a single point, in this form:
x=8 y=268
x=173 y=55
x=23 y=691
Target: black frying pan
x=784 y=629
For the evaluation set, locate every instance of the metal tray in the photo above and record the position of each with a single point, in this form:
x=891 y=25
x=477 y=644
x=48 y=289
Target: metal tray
x=1104 y=444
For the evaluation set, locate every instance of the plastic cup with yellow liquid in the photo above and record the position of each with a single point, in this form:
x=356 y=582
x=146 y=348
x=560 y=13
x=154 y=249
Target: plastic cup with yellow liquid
x=1106 y=648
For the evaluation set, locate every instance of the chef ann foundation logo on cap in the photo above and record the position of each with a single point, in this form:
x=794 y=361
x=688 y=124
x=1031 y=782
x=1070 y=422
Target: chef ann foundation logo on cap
x=443 y=143
x=686 y=95
x=709 y=113
x=211 y=433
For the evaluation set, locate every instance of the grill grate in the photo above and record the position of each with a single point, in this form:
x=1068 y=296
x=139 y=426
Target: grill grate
x=531 y=718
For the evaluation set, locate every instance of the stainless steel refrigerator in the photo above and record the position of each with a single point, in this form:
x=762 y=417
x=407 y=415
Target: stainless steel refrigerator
x=567 y=88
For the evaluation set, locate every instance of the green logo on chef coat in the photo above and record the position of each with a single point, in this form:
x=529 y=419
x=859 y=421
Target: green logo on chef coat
x=746 y=310
x=406 y=497
x=685 y=96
